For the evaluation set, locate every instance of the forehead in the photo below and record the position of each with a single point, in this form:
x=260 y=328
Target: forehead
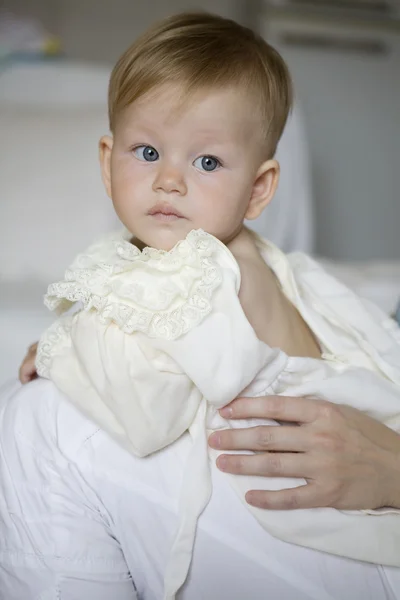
x=225 y=112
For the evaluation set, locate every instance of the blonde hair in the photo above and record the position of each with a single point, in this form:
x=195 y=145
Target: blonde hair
x=200 y=51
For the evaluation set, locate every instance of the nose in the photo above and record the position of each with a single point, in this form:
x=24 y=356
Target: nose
x=170 y=180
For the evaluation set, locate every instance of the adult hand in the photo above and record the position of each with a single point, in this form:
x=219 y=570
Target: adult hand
x=27 y=371
x=349 y=460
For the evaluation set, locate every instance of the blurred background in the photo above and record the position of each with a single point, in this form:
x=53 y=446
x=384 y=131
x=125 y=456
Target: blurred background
x=340 y=155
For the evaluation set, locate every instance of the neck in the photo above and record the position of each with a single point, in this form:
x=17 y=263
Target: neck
x=242 y=244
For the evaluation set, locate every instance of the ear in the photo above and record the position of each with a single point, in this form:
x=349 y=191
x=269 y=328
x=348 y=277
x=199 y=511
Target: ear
x=264 y=188
x=105 y=148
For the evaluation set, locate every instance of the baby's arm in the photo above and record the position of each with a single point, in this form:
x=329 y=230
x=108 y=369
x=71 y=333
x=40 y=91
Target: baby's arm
x=274 y=319
x=27 y=370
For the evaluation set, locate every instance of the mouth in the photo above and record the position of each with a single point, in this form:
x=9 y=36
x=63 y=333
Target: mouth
x=165 y=212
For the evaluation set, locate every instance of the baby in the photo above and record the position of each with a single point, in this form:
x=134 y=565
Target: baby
x=186 y=308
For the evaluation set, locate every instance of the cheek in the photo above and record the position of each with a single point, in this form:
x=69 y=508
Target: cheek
x=227 y=194
x=211 y=185
x=222 y=212
x=128 y=179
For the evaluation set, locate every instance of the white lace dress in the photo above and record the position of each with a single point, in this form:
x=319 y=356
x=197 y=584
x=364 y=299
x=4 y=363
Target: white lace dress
x=161 y=342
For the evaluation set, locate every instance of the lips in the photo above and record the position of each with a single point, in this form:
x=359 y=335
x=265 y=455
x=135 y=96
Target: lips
x=165 y=210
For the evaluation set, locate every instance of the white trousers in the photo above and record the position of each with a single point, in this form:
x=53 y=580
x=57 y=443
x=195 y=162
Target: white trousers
x=81 y=518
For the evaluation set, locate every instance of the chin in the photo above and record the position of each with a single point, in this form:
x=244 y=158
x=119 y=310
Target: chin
x=164 y=239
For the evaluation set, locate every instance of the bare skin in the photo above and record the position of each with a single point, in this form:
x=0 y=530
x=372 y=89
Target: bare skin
x=27 y=370
x=274 y=319
x=349 y=460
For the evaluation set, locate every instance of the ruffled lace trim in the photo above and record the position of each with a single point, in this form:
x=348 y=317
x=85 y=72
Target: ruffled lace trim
x=162 y=294
x=52 y=338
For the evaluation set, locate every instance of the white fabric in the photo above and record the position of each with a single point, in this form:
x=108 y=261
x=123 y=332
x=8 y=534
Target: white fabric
x=82 y=518
x=170 y=324
x=379 y=281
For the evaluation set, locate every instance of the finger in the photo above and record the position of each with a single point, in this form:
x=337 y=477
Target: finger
x=281 y=439
x=23 y=376
x=23 y=372
x=273 y=464
x=304 y=496
x=281 y=408
x=27 y=371
x=27 y=376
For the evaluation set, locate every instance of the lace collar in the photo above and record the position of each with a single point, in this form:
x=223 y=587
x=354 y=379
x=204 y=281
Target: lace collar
x=163 y=294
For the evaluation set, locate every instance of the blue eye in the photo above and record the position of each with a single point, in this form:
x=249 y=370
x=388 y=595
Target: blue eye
x=207 y=163
x=147 y=153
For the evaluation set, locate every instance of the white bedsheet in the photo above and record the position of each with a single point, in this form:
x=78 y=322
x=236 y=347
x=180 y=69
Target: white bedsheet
x=378 y=281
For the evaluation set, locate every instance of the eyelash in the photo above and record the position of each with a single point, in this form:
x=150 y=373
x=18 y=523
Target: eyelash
x=219 y=161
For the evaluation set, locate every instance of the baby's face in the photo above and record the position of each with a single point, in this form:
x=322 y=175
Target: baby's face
x=174 y=167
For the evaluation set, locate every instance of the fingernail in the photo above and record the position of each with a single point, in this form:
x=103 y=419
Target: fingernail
x=226 y=412
x=221 y=463
x=215 y=440
x=250 y=499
